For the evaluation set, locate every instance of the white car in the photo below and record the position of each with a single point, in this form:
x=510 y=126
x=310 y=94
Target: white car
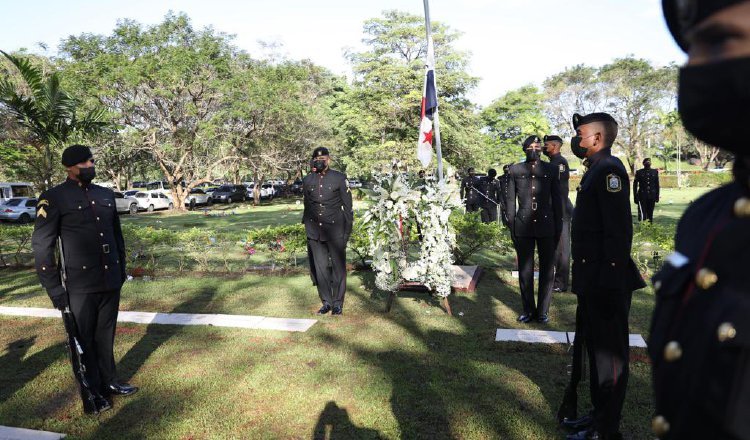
x=153 y=200
x=266 y=191
x=125 y=203
x=355 y=183
x=18 y=209
x=198 y=197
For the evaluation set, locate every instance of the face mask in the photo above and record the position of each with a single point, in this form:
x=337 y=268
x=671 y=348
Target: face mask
x=545 y=152
x=532 y=155
x=575 y=146
x=647 y=165
x=714 y=102
x=319 y=165
x=86 y=175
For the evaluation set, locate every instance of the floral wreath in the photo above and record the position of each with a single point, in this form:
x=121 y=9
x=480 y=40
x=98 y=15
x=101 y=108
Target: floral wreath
x=399 y=200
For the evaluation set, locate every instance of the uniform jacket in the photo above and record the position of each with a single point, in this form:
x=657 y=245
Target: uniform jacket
x=563 y=171
x=646 y=185
x=328 y=206
x=492 y=192
x=85 y=217
x=602 y=229
x=468 y=190
x=700 y=332
x=536 y=186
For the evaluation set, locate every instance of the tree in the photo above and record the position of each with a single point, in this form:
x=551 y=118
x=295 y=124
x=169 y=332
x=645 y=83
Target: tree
x=45 y=118
x=575 y=90
x=378 y=116
x=510 y=119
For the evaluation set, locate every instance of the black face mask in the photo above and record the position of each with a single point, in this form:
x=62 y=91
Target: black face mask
x=319 y=165
x=86 y=175
x=714 y=102
x=532 y=155
x=647 y=165
x=575 y=146
x=546 y=152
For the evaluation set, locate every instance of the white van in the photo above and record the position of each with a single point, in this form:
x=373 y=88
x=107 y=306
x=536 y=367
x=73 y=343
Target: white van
x=9 y=190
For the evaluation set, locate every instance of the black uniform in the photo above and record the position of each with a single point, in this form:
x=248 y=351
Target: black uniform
x=562 y=256
x=469 y=193
x=536 y=222
x=328 y=220
x=604 y=277
x=646 y=192
x=85 y=218
x=490 y=198
x=503 y=182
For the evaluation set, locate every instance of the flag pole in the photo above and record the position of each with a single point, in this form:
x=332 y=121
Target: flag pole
x=436 y=121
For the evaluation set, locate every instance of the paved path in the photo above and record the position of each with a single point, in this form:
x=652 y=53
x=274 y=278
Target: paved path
x=236 y=321
x=8 y=433
x=549 y=337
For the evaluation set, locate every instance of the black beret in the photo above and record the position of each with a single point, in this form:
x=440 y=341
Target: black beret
x=320 y=151
x=648 y=159
x=683 y=15
x=552 y=137
x=76 y=154
x=530 y=140
x=579 y=120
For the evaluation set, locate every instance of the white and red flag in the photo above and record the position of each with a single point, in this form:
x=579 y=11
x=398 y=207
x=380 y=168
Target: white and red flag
x=429 y=108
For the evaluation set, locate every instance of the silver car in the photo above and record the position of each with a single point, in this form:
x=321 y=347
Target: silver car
x=125 y=203
x=18 y=209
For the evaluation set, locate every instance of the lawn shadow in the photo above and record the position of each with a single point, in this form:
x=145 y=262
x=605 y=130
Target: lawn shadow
x=334 y=423
x=18 y=370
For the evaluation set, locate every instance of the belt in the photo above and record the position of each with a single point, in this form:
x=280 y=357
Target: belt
x=105 y=248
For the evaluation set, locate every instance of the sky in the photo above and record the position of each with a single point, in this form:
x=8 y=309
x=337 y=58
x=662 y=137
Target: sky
x=512 y=42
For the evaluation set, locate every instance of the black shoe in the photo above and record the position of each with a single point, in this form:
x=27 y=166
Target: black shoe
x=337 y=310
x=325 y=309
x=543 y=318
x=525 y=318
x=583 y=422
x=96 y=405
x=120 y=389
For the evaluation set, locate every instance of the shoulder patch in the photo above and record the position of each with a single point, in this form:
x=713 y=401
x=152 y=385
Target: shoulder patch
x=614 y=183
x=41 y=212
x=42 y=202
x=562 y=167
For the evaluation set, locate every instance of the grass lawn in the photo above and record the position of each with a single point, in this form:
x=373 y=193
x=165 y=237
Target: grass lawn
x=414 y=373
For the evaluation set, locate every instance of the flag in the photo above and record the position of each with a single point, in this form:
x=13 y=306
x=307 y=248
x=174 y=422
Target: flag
x=429 y=108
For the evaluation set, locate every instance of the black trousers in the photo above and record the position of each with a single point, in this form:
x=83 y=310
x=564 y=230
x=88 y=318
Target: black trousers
x=606 y=335
x=525 y=250
x=330 y=269
x=569 y=406
x=646 y=210
x=472 y=205
x=562 y=258
x=489 y=214
x=96 y=318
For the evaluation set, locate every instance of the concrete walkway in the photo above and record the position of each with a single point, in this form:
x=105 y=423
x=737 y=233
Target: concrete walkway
x=236 y=321
x=550 y=337
x=8 y=433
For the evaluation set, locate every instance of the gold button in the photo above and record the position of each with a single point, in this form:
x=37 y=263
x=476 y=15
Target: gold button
x=672 y=351
x=706 y=278
x=97 y=219
x=742 y=207
x=583 y=261
x=93 y=202
x=44 y=268
x=101 y=234
x=79 y=206
x=657 y=285
x=84 y=267
x=660 y=426
x=106 y=267
x=726 y=331
x=320 y=224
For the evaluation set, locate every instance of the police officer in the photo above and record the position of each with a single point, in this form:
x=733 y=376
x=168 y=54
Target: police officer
x=328 y=220
x=552 y=146
x=503 y=180
x=490 y=195
x=604 y=275
x=84 y=217
x=700 y=332
x=536 y=222
x=469 y=191
x=646 y=191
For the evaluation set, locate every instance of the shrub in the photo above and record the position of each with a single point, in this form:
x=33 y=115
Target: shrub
x=15 y=240
x=649 y=238
x=359 y=243
x=283 y=242
x=472 y=236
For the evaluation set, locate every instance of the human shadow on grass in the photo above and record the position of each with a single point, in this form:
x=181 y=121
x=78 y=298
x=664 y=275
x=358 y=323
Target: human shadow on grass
x=334 y=424
x=18 y=370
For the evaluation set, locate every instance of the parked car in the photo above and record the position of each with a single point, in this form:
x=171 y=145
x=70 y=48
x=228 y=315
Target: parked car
x=153 y=200
x=198 y=197
x=125 y=203
x=229 y=194
x=266 y=192
x=18 y=209
x=355 y=183
x=10 y=190
x=139 y=184
x=296 y=187
x=131 y=192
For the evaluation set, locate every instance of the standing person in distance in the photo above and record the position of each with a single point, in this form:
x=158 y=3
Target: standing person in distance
x=700 y=332
x=84 y=217
x=469 y=191
x=604 y=274
x=552 y=146
x=646 y=191
x=490 y=196
x=328 y=220
x=537 y=222
x=503 y=180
